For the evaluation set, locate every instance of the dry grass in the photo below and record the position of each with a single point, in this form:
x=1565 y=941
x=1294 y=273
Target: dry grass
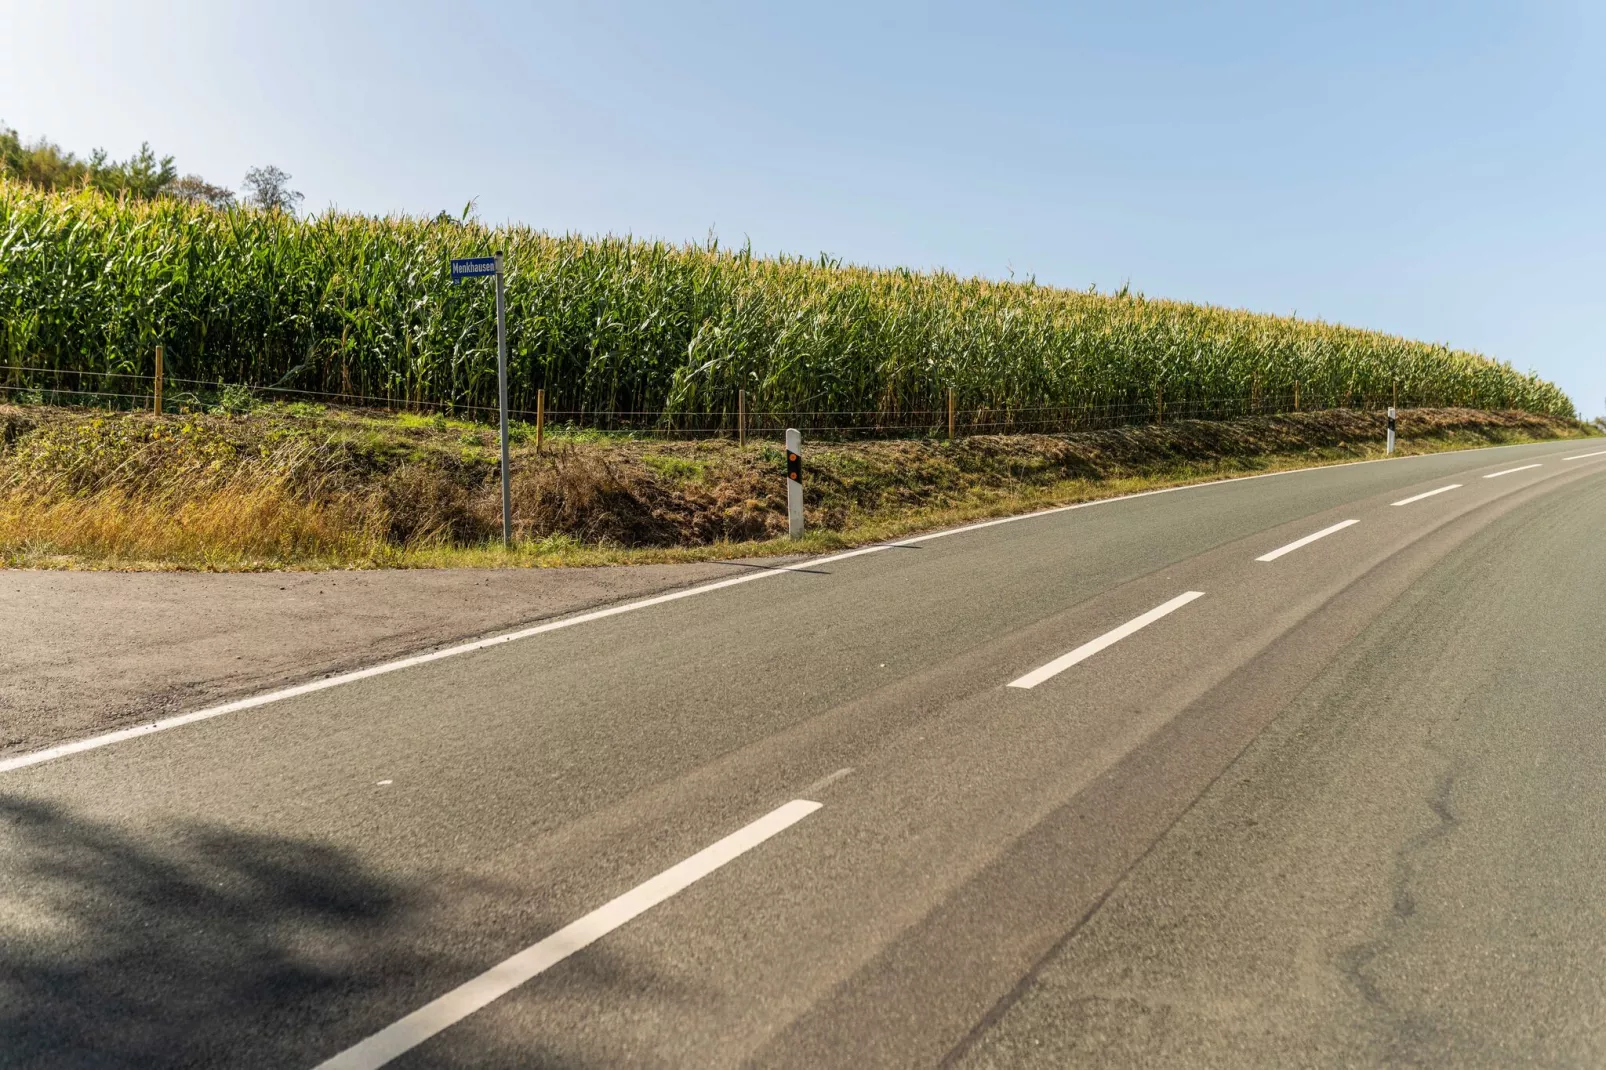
x=348 y=490
x=231 y=527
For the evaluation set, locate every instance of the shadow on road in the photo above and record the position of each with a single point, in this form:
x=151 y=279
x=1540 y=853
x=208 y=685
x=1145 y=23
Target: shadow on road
x=195 y=945
x=115 y=952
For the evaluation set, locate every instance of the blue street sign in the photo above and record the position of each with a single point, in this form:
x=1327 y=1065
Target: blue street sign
x=473 y=267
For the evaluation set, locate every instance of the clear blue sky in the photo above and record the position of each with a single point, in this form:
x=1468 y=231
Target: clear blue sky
x=1436 y=170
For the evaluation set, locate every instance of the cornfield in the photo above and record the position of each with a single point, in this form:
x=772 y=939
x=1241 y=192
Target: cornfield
x=625 y=332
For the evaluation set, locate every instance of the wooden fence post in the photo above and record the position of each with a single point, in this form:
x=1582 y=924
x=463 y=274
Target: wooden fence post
x=158 y=380
x=540 y=418
x=950 y=413
x=1296 y=395
x=741 y=417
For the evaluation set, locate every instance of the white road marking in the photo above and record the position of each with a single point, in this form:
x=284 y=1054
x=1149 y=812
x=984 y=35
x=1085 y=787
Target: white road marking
x=402 y=1036
x=1110 y=638
x=914 y=540
x=826 y=781
x=1508 y=471
x=1428 y=494
x=1586 y=456
x=1306 y=541
x=22 y=761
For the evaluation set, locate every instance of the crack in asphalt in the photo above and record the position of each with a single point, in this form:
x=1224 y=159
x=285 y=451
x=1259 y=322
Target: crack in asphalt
x=1403 y=1031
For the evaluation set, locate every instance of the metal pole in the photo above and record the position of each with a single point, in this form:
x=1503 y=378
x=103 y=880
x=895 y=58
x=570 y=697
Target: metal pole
x=501 y=390
x=158 y=380
x=794 y=481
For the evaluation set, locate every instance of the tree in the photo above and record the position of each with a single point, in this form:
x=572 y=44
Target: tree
x=269 y=189
x=44 y=164
x=39 y=163
x=142 y=175
x=197 y=190
x=446 y=218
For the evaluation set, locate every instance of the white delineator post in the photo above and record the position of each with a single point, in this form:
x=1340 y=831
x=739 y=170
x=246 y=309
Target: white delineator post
x=501 y=390
x=1391 y=429
x=794 y=481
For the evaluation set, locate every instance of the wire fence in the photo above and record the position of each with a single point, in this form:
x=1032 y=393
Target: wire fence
x=22 y=384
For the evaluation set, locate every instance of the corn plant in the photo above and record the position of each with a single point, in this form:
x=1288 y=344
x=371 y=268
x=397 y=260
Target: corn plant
x=620 y=331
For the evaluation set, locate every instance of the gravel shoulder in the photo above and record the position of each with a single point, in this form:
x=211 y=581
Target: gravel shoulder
x=88 y=652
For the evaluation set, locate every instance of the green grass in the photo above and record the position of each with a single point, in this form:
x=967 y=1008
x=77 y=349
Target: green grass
x=343 y=304
x=675 y=469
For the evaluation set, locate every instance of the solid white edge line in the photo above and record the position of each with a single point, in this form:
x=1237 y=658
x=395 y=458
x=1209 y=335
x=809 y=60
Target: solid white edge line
x=407 y=1033
x=1508 y=471
x=1108 y=639
x=1428 y=494
x=914 y=540
x=1306 y=541
x=1586 y=456
x=62 y=750
x=22 y=761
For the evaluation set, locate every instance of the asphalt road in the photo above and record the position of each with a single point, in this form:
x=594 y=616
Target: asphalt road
x=82 y=652
x=1341 y=807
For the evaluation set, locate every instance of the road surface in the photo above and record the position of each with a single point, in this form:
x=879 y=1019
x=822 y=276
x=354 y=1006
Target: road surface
x=1157 y=781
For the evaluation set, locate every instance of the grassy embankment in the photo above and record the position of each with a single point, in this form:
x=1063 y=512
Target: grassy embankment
x=621 y=332
x=305 y=487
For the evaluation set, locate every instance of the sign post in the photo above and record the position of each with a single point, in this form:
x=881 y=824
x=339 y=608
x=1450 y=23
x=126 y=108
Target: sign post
x=794 y=481
x=1391 y=429
x=477 y=267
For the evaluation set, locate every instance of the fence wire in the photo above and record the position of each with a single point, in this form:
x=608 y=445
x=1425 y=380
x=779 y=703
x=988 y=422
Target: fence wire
x=132 y=390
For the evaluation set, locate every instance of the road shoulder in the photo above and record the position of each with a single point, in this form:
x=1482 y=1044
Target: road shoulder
x=88 y=652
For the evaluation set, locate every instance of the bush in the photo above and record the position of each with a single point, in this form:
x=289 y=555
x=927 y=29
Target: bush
x=236 y=400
